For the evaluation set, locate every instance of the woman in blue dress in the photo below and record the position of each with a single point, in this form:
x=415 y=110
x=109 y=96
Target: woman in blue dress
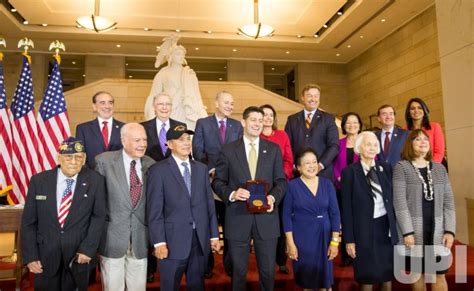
x=312 y=223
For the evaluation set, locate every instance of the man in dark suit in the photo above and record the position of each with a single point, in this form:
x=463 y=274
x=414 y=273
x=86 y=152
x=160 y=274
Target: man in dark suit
x=181 y=216
x=391 y=138
x=157 y=149
x=251 y=158
x=63 y=220
x=103 y=133
x=124 y=245
x=211 y=134
x=314 y=128
x=156 y=128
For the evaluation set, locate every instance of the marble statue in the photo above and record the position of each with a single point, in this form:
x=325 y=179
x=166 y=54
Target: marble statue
x=179 y=81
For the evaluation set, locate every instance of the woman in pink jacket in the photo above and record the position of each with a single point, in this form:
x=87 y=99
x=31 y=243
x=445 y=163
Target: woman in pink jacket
x=417 y=117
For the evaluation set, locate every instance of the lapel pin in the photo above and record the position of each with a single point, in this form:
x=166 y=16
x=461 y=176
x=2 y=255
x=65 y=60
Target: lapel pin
x=116 y=126
x=84 y=184
x=394 y=134
x=317 y=116
x=85 y=195
x=264 y=151
x=381 y=168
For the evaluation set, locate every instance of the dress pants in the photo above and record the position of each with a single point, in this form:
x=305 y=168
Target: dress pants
x=60 y=281
x=226 y=260
x=125 y=273
x=265 y=252
x=281 y=257
x=171 y=271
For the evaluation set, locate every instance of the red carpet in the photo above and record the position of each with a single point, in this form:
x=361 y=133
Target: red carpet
x=343 y=278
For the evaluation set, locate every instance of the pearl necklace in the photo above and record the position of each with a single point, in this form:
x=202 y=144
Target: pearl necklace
x=428 y=194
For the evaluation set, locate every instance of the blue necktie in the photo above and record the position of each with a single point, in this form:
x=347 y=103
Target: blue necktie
x=187 y=176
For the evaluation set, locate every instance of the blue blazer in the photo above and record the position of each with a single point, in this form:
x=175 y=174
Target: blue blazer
x=396 y=146
x=171 y=210
x=153 y=149
x=207 y=144
x=322 y=136
x=358 y=204
x=90 y=133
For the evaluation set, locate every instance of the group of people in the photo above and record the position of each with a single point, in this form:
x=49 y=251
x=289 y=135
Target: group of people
x=142 y=195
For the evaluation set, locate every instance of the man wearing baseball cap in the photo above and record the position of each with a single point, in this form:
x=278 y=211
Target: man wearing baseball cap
x=181 y=216
x=63 y=219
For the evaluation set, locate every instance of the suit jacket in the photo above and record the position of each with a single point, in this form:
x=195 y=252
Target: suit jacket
x=322 y=136
x=341 y=161
x=396 y=146
x=91 y=135
x=207 y=143
x=232 y=172
x=42 y=237
x=358 y=204
x=153 y=149
x=123 y=223
x=172 y=211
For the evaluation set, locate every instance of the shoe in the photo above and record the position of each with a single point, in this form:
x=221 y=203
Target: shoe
x=208 y=275
x=150 y=278
x=283 y=269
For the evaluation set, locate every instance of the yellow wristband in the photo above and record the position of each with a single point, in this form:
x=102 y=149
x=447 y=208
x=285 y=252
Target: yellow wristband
x=333 y=243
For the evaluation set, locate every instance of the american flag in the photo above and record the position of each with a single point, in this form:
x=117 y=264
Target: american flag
x=53 y=120
x=5 y=139
x=26 y=159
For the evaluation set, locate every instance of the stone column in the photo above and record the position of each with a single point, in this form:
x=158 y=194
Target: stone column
x=455 y=20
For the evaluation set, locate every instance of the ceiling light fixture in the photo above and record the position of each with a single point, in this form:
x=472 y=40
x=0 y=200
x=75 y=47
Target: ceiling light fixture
x=95 y=22
x=146 y=29
x=44 y=24
x=299 y=36
x=13 y=10
x=316 y=35
x=256 y=29
x=325 y=26
x=339 y=12
x=25 y=22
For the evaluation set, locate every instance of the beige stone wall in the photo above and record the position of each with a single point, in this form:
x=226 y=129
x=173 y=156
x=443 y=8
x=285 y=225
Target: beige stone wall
x=332 y=78
x=403 y=65
x=245 y=71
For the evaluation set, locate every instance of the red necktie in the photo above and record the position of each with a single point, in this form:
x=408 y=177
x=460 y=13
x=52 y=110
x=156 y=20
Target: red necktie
x=386 y=144
x=135 y=185
x=105 y=134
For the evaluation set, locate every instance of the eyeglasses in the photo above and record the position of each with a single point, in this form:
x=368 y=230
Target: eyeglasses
x=76 y=157
x=164 y=104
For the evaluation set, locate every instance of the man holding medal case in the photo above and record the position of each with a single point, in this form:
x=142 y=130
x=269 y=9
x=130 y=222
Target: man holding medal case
x=251 y=162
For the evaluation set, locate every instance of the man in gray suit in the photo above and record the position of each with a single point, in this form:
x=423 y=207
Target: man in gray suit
x=124 y=245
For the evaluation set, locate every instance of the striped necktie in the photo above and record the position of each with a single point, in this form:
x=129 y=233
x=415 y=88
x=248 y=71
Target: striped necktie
x=66 y=201
x=187 y=176
x=308 y=120
x=374 y=182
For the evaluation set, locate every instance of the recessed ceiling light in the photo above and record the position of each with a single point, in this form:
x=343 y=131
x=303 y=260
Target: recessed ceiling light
x=339 y=13
x=73 y=62
x=383 y=19
x=338 y=55
x=44 y=24
x=325 y=26
x=178 y=30
x=287 y=52
x=220 y=79
x=196 y=48
x=225 y=67
x=118 y=45
x=130 y=76
x=157 y=47
x=299 y=36
x=25 y=22
x=234 y=50
x=83 y=75
x=209 y=31
x=349 y=46
x=316 y=35
x=13 y=10
x=273 y=69
x=361 y=36
x=126 y=64
x=146 y=29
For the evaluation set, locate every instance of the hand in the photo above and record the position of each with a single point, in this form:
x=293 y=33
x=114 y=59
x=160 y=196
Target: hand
x=83 y=259
x=270 y=203
x=215 y=245
x=332 y=252
x=241 y=194
x=409 y=241
x=292 y=251
x=351 y=250
x=35 y=267
x=161 y=252
x=448 y=240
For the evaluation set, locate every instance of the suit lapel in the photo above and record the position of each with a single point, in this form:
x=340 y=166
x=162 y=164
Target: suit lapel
x=215 y=130
x=362 y=177
x=177 y=174
x=315 y=120
x=121 y=177
x=393 y=142
x=82 y=184
x=50 y=191
x=115 y=136
x=194 y=179
x=153 y=133
x=95 y=128
x=242 y=158
x=262 y=156
x=229 y=131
